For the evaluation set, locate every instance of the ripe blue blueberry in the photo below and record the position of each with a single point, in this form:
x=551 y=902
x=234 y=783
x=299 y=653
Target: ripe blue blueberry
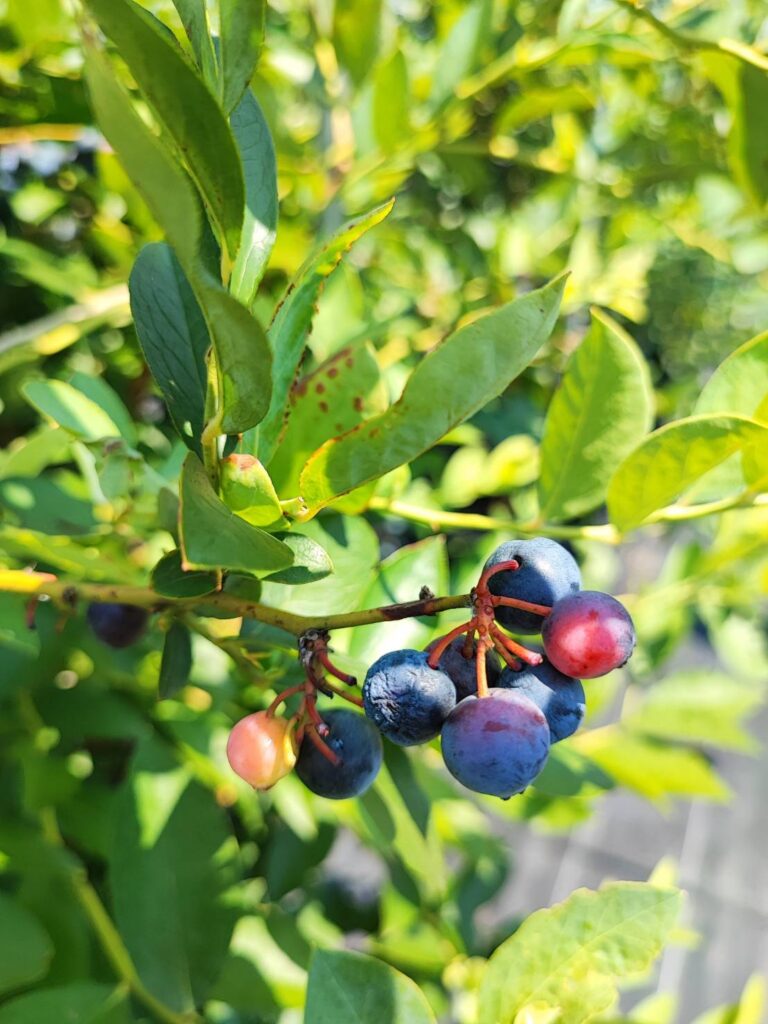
x=496 y=744
x=547 y=574
x=118 y=625
x=560 y=697
x=408 y=700
x=463 y=671
x=357 y=744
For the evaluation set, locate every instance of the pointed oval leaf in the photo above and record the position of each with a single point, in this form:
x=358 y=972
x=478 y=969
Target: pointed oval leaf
x=570 y=956
x=673 y=458
x=602 y=409
x=439 y=394
x=70 y=408
x=176 y=661
x=257 y=153
x=212 y=537
x=194 y=18
x=347 y=988
x=183 y=104
x=740 y=383
x=311 y=562
x=171 y=580
x=173 y=337
x=241 y=35
x=290 y=327
x=242 y=351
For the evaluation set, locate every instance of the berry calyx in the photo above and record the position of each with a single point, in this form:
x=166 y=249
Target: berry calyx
x=356 y=746
x=588 y=634
x=406 y=698
x=262 y=749
x=496 y=745
x=118 y=625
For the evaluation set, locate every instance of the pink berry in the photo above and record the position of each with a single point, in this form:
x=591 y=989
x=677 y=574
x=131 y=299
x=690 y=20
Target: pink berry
x=588 y=634
x=261 y=749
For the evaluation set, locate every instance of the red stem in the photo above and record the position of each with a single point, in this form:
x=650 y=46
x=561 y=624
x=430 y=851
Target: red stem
x=325 y=661
x=526 y=606
x=482 y=675
x=514 y=663
x=469 y=645
x=323 y=747
x=290 y=692
x=439 y=649
x=511 y=566
x=530 y=657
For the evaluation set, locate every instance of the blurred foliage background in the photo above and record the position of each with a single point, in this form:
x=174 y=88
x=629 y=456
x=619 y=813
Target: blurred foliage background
x=520 y=140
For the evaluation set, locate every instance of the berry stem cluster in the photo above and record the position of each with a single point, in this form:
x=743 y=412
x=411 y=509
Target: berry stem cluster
x=489 y=635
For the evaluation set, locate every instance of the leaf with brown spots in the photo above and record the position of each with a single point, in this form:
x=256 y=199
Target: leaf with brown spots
x=454 y=380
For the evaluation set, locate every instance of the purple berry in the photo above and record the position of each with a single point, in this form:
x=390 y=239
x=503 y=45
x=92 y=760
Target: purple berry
x=560 y=698
x=588 y=634
x=496 y=744
x=118 y=625
x=406 y=698
x=547 y=574
x=357 y=744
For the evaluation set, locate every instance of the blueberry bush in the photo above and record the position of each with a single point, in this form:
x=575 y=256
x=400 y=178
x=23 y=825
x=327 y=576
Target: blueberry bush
x=373 y=374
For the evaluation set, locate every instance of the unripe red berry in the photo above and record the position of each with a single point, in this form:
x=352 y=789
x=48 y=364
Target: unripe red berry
x=588 y=634
x=261 y=749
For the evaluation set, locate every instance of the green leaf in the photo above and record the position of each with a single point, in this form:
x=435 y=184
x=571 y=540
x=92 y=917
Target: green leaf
x=247 y=489
x=569 y=957
x=740 y=383
x=170 y=864
x=82 y=1002
x=212 y=537
x=194 y=18
x=347 y=988
x=99 y=392
x=40 y=504
x=334 y=398
x=25 y=949
x=400 y=578
x=184 y=106
x=356 y=31
x=353 y=548
x=242 y=351
x=696 y=707
x=745 y=89
x=672 y=459
x=290 y=327
x=70 y=408
x=310 y=561
x=459 y=54
x=171 y=580
x=748 y=1010
x=391 y=101
x=257 y=153
x=600 y=412
x=241 y=36
x=176 y=661
x=655 y=770
x=438 y=395
x=173 y=336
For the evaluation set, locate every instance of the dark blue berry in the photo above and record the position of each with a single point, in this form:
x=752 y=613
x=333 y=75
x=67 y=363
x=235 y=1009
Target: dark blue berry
x=560 y=697
x=357 y=744
x=463 y=671
x=408 y=700
x=118 y=625
x=496 y=744
x=547 y=574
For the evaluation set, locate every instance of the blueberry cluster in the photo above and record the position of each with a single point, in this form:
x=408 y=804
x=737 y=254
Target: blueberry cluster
x=497 y=742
